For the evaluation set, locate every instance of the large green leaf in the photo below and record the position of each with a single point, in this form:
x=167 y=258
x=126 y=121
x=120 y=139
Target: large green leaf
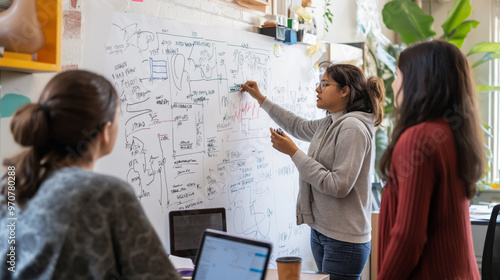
x=486 y=88
x=487 y=57
x=408 y=20
x=459 y=12
x=484 y=47
x=381 y=142
x=389 y=96
x=458 y=35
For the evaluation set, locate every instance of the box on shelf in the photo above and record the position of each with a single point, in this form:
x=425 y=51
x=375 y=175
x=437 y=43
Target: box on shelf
x=290 y=37
x=306 y=37
x=278 y=32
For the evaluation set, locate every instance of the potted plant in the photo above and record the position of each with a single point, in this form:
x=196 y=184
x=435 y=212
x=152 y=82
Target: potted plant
x=412 y=24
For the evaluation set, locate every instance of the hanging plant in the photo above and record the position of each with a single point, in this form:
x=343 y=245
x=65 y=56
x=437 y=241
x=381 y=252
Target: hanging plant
x=328 y=15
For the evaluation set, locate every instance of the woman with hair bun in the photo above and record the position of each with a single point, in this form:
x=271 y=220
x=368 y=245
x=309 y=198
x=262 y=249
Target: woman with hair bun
x=65 y=221
x=335 y=175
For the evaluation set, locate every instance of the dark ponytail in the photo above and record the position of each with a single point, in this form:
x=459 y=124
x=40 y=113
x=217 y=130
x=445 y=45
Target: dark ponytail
x=30 y=129
x=366 y=95
x=376 y=90
x=59 y=130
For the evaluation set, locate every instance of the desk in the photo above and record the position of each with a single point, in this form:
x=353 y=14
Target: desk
x=272 y=274
x=480 y=217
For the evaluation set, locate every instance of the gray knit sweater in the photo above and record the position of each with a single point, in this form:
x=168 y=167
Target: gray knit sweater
x=83 y=225
x=335 y=175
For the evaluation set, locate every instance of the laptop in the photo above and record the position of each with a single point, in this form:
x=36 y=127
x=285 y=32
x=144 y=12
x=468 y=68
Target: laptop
x=186 y=228
x=226 y=257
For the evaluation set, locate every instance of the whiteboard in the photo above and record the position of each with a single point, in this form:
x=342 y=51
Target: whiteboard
x=189 y=139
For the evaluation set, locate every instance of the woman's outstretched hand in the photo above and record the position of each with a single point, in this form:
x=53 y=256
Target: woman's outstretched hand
x=253 y=89
x=283 y=143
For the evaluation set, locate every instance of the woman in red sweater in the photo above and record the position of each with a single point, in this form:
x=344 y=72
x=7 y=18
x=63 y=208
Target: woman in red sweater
x=431 y=167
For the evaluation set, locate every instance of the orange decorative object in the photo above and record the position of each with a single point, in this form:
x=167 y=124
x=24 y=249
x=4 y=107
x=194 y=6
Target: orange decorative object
x=20 y=28
x=306 y=3
x=48 y=58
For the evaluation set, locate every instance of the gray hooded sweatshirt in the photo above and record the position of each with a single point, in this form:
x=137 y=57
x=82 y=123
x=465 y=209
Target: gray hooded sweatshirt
x=335 y=175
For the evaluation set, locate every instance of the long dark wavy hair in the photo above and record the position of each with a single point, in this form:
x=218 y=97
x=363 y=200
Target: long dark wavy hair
x=366 y=94
x=437 y=84
x=60 y=129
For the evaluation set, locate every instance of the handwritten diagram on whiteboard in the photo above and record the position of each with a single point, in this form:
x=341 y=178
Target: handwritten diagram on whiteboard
x=190 y=139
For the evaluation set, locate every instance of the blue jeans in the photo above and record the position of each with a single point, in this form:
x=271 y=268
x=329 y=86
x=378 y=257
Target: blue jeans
x=342 y=260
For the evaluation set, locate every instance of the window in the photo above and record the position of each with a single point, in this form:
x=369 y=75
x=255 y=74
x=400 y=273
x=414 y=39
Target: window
x=494 y=99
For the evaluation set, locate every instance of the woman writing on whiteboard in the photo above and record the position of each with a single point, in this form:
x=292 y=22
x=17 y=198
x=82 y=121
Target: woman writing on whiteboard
x=72 y=223
x=431 y=166
x=334 y=196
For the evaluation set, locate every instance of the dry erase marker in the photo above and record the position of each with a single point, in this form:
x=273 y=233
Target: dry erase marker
x=235 y=88
x=278 y=130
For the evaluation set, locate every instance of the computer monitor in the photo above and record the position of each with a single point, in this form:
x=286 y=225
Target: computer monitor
x=227 y=257
x=187 y=226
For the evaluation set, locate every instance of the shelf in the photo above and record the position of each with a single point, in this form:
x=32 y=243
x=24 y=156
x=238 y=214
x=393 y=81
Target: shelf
x=257 y=5
x=252 y=2
x=49 y=57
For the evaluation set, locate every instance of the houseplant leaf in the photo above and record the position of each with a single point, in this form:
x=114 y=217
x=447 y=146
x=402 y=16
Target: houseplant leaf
x=386 y=58
x=485 y=47
x=408 y=20
x=458 y=35
x=487 y=57
x=381 y=142
x=459 y=12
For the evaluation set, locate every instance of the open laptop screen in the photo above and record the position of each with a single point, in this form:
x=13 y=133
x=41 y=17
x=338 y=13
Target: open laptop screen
x=222 y=256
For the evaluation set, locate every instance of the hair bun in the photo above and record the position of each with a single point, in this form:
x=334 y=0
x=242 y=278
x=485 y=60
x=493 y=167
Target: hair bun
x=30 y=126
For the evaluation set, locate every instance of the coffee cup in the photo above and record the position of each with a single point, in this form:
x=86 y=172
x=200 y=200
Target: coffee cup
x=289 y=268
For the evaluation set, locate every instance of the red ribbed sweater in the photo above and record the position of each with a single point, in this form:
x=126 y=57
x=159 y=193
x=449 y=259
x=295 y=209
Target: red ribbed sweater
x=424 y=230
